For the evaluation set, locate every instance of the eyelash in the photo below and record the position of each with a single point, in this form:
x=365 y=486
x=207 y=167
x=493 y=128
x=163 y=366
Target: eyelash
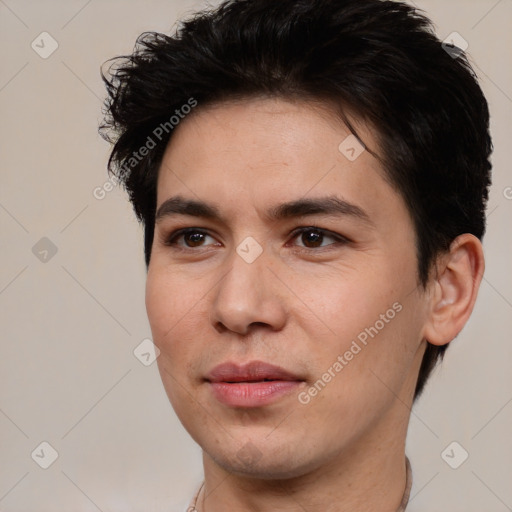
x=170 y=241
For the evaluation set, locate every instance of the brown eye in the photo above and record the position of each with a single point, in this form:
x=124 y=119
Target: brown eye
x=193 y=239
x=188 y=238
x=314 y=238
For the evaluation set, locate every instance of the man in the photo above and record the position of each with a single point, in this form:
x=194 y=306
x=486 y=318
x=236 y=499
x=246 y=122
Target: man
x=312 y=177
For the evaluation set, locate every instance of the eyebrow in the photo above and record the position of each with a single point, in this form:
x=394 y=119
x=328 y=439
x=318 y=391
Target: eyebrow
x=330 y=205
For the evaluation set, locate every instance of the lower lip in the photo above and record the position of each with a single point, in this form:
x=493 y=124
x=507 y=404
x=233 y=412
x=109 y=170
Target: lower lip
x=252 y=394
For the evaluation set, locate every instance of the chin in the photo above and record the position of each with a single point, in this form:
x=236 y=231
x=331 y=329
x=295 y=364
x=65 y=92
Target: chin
x=264 y=461
x=272 y=470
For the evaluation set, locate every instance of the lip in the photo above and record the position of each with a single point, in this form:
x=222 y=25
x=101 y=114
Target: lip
x=253 y=384
x=254 y=371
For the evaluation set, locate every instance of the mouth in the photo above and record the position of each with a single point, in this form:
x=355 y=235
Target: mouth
x=254 y=371
x=254 y=384
x=236 y=381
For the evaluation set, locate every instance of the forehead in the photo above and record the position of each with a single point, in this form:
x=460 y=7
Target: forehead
x=259 y=153
x=267 y=131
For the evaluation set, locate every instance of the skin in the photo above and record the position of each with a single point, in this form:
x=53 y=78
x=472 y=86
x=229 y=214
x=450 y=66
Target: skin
x=299 y=305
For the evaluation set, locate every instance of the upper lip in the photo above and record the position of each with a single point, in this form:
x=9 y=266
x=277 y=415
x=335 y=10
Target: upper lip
x=254 y=371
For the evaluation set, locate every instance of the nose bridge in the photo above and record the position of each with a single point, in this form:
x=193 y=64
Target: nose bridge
x=246 y=293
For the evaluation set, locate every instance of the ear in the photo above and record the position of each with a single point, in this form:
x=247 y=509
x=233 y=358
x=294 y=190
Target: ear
x=454 y=289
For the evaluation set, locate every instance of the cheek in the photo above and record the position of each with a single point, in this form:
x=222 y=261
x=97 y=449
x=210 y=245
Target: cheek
x=168 y=299
x=160 y=306
x=371 y=321
x=378 y=358
x=172 y=327
x=168 y=310
x=344 y=303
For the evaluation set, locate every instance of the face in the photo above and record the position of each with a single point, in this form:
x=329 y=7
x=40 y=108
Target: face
x=324 y=288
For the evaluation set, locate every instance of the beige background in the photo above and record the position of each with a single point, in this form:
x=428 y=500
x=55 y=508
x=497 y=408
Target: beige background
x=68 y=375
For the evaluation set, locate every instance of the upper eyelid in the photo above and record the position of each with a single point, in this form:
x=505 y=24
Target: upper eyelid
x=327 y=232
x=167 y=238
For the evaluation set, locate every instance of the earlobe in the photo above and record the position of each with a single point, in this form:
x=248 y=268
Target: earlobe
x=454 y=290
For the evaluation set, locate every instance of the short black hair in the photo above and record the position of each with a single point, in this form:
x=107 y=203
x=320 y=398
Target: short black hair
x=378 y=59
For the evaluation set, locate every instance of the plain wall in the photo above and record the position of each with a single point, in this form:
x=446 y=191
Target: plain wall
x=68 y=375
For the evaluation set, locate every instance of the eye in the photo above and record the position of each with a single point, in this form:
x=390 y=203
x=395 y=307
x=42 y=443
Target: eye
x=312 y=237
x=191 y=237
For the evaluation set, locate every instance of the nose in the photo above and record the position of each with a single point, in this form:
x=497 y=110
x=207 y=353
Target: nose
x=248 y=295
